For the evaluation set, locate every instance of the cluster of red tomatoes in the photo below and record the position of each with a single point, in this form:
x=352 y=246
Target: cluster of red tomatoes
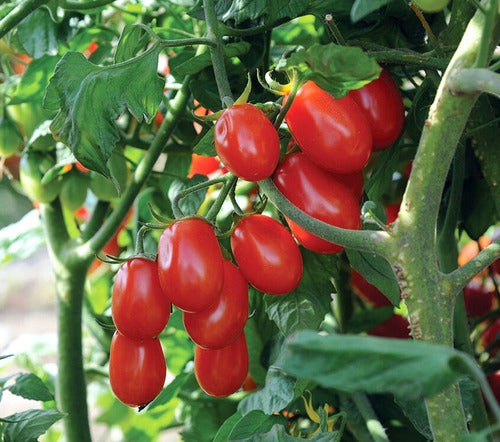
x=324 y=179
x=336 y=138
x=191 y=273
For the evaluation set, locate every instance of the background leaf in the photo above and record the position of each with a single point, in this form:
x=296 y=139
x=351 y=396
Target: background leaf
x=90 y=98
x=350 y=363
x=28 y=426
x=361 y=8
x=336 y=69
x=30 y=386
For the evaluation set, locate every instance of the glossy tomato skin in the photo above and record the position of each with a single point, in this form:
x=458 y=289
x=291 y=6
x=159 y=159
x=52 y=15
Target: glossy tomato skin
x=396 y=327
x=267 y=254
x=478 y=298
x=247 y=142
x=190 y=264
x=139 y=307
x=382 y=104
x=334 y=134
x=354 y=181
x=223 y=322
x=319 y=194
x=137 y=369
x=221 y=372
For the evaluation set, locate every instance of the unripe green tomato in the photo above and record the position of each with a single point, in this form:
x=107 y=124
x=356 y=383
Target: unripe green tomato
x=28 y=116
x=103 y=188
x=32 y=167
x=10 y=138
x=431 y=5
x=74 y=189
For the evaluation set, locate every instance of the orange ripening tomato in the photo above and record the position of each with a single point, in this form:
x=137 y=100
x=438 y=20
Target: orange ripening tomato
x=201 y=165
x=471 y=249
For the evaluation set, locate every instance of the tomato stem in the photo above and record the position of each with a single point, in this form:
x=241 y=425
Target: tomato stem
x=229 y=182
x=21 y=11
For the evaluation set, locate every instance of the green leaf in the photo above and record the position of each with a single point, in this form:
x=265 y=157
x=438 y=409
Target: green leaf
x=280 y=390
x=39 y=34
x=307 y=305
x=206 y=146
x=132 y=40
x=278 y=434
x=377 y=271
x=190 y=204
x=170 y=391
x=416 y=412
x=34 y=80
x=336 y=69
x=242 y=10
x=199 y=62
x=361 y=8
x=90 y=98
x=350 y=363
x=366 y=320
x=253 y=423
x=30 y=386
x=21 y=239
x=226 y=428
x=28 y=426
x=381 y=176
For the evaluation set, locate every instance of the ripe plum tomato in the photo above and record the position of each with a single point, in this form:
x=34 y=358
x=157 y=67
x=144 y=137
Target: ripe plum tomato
x=319 y=194
x=334 y=134
x=396 y=327
x=489 y=339
x=222 y=322
x=368 y=291
x=247 y=142
x=382 y=104
x=137 y=369
x=478 y=298
x=267 y=254
x=139 y=307
x=190 y=264
x=353 y=181
x=221 y=372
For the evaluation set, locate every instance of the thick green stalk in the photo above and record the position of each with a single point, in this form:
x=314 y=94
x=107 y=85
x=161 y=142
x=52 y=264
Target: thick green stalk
x=69 y=271
x=428 y=293
x=20 y=12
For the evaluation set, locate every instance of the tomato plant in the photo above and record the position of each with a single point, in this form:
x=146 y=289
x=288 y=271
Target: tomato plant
x=267 y=254
x=319 y=194
x=139 y=307
x=221 y=323
x=137 y=369
x=190 y=264
x=231 y=361
x=334 y=134
x=118 y=97
x=246 y=142
x=10 y=137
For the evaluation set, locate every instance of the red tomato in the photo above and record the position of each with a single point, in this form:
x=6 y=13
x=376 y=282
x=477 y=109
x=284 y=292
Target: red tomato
x=382 y=103
x=353 y=181
x=395 y=327
x=137 y=369
x=334 y=134
x=267 y=254
x=223 y=322
x=392 y=212
x=368 y=291
x=139 y=307
x=247 y=142
x=221 y=372
x=190 y=264
x=478 y=298
x=494 y=381
x=249 y=384
x=203 y=165
x=319 y=194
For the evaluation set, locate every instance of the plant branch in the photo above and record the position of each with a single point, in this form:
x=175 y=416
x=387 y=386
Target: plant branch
x=373 y=425
x=376 y=241
x=77 y=6
x=488 y=37
x=20 y=12
x=217 y=54
x=461 y=276
x=188 y=42
x=476 y=80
